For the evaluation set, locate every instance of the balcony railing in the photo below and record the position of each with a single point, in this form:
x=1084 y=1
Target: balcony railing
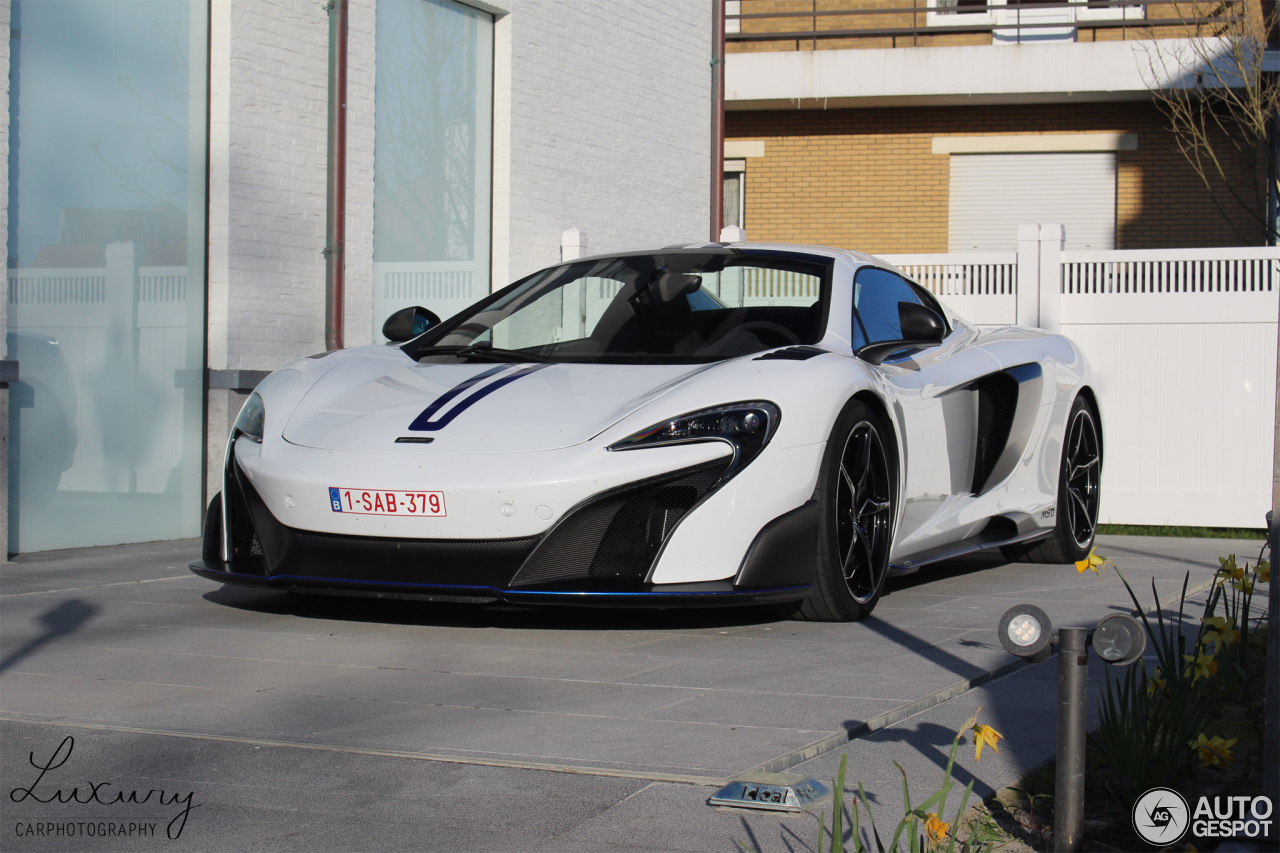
x=817 y=24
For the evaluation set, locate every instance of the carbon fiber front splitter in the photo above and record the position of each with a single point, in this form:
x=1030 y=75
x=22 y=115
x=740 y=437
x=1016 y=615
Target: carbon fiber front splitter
x=708 y=594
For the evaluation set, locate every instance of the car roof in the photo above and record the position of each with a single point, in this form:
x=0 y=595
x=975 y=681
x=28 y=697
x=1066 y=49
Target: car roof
x=822 y=252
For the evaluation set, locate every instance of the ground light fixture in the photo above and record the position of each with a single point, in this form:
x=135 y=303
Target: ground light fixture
x=1119 y=639
x=1026 y=631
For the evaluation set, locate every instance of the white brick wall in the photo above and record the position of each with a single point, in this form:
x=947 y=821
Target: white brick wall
x=267 y=194
x=359 y=322
x=610 y=125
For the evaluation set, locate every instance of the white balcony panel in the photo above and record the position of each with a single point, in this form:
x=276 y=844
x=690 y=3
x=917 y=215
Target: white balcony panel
x=966 y=74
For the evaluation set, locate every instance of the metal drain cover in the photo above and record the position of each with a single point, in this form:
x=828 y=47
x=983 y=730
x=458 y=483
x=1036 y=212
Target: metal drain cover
x=784 y=794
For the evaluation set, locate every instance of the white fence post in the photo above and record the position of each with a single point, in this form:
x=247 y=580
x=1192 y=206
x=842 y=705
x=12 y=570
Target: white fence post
x=1052 y=238
x=1029 y=274
x=573 y=244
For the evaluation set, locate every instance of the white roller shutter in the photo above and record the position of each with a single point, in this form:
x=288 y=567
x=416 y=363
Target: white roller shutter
x=992 y=194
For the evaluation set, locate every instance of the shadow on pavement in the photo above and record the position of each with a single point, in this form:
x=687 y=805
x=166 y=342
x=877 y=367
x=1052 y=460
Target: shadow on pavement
x=59 y=621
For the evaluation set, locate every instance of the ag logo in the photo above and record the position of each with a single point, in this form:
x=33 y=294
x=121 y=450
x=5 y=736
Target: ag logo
x=1161 y=816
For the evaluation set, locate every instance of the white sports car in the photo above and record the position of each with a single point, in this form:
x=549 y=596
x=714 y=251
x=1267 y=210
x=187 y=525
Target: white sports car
x=708 y=424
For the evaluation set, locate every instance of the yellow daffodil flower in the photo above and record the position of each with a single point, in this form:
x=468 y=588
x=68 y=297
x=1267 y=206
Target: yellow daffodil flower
x=1213 y=751
x=1219 y=631
x=1245 y=585
x=935 y=830
x=1229 y=570
x=1264 y=571
x=1095 y=562
x=1155 y=682
x=983 y=736
x=1204 y=666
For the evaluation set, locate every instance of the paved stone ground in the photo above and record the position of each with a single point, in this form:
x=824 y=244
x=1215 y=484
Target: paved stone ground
x=298 y=723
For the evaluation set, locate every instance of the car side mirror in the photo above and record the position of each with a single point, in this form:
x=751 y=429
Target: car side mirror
x=921 y=327
x=921 y=323
x=408 y=323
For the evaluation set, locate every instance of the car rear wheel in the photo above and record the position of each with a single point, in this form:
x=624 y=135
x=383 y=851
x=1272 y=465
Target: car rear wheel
x=1079 y=490
x=856 y=497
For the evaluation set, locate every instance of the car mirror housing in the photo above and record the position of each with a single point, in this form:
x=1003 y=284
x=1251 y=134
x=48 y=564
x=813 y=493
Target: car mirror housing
x=408 y=323
x=921 y=327
x=921 y=323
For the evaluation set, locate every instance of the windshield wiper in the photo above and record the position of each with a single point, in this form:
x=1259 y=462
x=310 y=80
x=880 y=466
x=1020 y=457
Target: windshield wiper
x=484 y=351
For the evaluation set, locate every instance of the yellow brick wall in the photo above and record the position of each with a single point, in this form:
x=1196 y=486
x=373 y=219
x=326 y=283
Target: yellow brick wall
x=866 y=179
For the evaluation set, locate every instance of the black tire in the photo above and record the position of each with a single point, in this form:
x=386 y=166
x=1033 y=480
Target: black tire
x=857 y=491
x=1079 y=491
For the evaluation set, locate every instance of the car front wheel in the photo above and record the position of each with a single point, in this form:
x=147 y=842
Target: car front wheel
x=856 y=496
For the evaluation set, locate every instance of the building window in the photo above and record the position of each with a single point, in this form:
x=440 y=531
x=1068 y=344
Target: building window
x=106 y=245
x=735 y=173
x=433 y=128
x=962 y=7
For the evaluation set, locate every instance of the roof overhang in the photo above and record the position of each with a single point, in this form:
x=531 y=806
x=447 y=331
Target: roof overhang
x=1063 y=72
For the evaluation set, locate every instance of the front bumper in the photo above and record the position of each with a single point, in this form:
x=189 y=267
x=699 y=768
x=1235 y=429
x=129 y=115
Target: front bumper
x=604 y=551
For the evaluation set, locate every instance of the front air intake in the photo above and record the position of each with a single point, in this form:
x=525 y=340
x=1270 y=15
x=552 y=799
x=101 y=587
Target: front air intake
x=616 y=536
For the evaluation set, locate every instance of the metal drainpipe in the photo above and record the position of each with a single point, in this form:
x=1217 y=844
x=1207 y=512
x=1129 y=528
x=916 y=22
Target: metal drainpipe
x=717 y=119
x=336 y=193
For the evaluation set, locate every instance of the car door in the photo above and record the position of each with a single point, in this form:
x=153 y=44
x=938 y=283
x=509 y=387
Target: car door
x=933 y=405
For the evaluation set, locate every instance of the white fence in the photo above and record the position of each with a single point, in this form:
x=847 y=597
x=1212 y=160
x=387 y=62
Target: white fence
x=1183 y=343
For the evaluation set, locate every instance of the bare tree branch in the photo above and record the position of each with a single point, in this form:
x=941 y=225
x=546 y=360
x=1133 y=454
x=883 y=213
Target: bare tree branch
x=1220 y=102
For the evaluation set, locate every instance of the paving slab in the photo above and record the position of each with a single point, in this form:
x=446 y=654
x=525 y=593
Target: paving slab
x=303 y=723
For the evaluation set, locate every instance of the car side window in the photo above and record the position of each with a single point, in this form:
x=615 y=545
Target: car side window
x=876 y=294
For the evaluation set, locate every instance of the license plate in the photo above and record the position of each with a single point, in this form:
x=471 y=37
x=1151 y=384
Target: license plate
x=386 y=502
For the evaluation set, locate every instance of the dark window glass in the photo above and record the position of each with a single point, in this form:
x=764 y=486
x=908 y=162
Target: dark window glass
x=684 y=307
x=876 y=294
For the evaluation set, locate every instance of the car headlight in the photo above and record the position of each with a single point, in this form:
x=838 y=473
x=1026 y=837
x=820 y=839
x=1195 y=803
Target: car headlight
x=249 y=422
x=746 y=427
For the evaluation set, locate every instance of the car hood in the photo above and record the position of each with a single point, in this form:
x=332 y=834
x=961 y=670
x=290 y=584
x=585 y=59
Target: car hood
x=474 y=408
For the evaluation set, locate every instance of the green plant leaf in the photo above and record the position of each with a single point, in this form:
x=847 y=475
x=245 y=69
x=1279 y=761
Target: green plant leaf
x=837 y=809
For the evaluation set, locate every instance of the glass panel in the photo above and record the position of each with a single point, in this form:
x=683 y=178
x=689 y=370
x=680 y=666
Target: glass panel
x=876 y=294
x=106 y=271
x=644 y=309
x=432 y=154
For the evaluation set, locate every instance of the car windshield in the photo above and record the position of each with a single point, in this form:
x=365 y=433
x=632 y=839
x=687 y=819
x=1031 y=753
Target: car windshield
x=666 y=307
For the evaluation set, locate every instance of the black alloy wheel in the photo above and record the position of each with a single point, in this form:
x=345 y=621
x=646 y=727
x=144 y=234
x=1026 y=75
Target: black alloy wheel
x=856 y=491
x=1082 y=472
x=863 y=513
